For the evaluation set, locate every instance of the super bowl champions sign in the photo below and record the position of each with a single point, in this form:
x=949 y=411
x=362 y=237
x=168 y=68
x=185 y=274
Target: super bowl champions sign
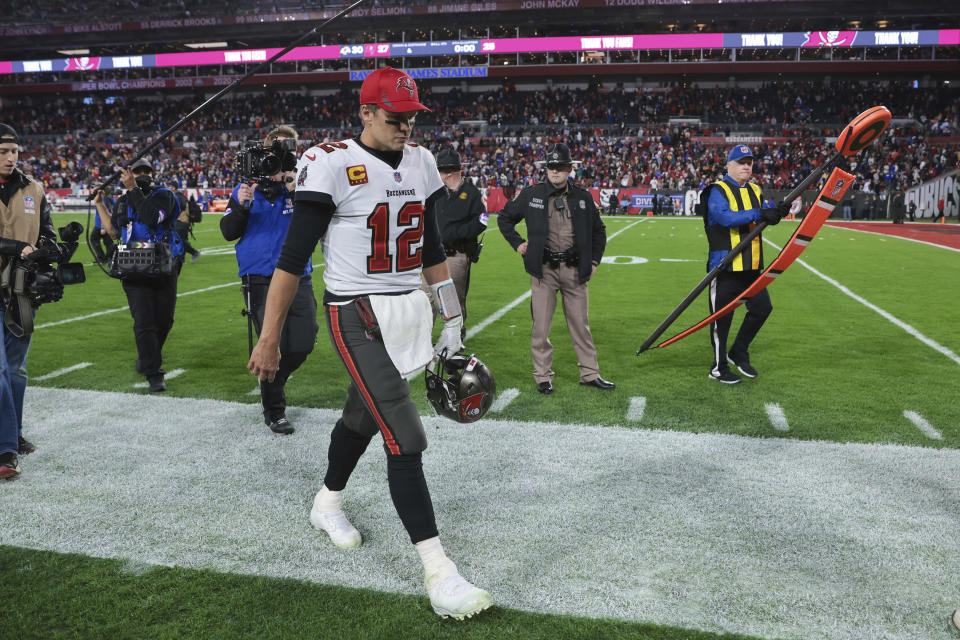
x=928 y=194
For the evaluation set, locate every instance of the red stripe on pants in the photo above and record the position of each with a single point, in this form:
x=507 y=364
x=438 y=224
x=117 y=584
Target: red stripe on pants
x=358 y=380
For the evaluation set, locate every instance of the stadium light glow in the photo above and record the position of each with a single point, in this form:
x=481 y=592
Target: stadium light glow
x=74 y=52
x=205 y=45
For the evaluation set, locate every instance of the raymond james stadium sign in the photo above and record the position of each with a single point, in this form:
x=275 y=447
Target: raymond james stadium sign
x=438 y=72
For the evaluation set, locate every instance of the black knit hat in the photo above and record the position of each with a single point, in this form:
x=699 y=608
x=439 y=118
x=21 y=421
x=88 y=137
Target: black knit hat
x=448 y=159
x=8 y=134
x=140 y=164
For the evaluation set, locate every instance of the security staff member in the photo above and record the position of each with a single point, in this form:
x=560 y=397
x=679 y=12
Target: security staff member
x=24 y=221
x=259 y=216
x=462 y=217
x=565 y=245
x=733 y=209
x=149 y=215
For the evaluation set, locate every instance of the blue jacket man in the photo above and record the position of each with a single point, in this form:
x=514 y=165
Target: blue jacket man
x=734 y=207
x=259 y=217
x=149 y=216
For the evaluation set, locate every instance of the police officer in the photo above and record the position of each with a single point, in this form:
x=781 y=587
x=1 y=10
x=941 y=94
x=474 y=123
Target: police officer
x=733 y=209
x=566 y=239
x=462 y=217
x=259 y=217
x=24 y=220
x=148 y=217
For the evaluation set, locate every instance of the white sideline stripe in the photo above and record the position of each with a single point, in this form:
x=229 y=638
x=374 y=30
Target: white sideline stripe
x=103 y=313
x=714 y=532
x=60 y=372
x=777 y=417
x=637 y=405
x=921 y=423
x=885 y=314
x=167 y=376
x=502 y=311
x=255 y=392
x=504 y=398
x=890 y=235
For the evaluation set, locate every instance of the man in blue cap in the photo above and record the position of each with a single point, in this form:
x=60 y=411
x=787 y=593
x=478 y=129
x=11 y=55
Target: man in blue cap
x=733 y=209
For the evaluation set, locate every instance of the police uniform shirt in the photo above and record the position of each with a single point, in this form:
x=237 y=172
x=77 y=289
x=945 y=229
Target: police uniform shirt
x=259 y=248
x=560 y=235
x=461 y=216
x=374 y=241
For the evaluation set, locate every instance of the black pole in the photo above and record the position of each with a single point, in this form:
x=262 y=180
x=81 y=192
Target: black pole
x=737 y=250
x=187 y=118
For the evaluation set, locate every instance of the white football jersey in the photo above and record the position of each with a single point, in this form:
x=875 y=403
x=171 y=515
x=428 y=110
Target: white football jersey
x=374 y=243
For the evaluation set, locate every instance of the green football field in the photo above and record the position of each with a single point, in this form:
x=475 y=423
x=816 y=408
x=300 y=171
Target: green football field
x=819 y=500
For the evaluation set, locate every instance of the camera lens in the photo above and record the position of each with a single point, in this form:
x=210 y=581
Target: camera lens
x=270 y=165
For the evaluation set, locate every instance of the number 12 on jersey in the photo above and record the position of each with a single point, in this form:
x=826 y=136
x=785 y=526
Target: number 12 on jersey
x=381 y=258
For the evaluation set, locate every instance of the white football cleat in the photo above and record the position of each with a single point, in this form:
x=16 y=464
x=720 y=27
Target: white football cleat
x=341 y=532
x=454 y=597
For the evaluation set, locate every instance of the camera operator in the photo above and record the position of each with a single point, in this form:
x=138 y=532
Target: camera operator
x=259 y=215
x=21 y=229
x=462 y=217
x=148 y=218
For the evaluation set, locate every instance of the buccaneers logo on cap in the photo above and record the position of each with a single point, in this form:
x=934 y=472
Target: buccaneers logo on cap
x=406 y=84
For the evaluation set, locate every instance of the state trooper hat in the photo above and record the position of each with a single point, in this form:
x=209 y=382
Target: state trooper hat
x=558 y=155
x=141 y=163
x=448 y=159
x=8 y=134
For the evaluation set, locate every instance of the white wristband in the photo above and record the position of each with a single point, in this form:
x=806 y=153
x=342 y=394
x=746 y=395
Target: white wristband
x=446 y=296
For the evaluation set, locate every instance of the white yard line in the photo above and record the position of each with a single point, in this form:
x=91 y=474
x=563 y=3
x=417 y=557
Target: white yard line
x=504 y=398
x=60 y=372
x=885 y=314
x=921 y=423
x=103 y=313
x=765 y=537
x=637 y=405
x=777 y=417
x=167 y=376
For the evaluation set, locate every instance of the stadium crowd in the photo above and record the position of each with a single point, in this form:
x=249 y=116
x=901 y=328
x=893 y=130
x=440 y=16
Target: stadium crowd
x=626 y=139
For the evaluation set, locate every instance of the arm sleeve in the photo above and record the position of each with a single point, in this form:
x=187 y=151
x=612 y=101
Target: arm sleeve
x=719 y=213
x=507 y=221
x=433 y=252
x=307 y=225
x=46 y=220
x=233 y=224
x=599 y=240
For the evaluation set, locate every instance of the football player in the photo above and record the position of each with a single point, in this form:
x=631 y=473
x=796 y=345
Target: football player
x=372 y=200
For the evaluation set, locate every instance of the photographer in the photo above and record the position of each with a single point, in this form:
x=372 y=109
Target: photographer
x=258 y=215
x=148 y=218
x=21 y=230
x=462 y=217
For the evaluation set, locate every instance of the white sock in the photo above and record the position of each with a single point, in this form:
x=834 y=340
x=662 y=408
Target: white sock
x=435 y=561
x=328 y=501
